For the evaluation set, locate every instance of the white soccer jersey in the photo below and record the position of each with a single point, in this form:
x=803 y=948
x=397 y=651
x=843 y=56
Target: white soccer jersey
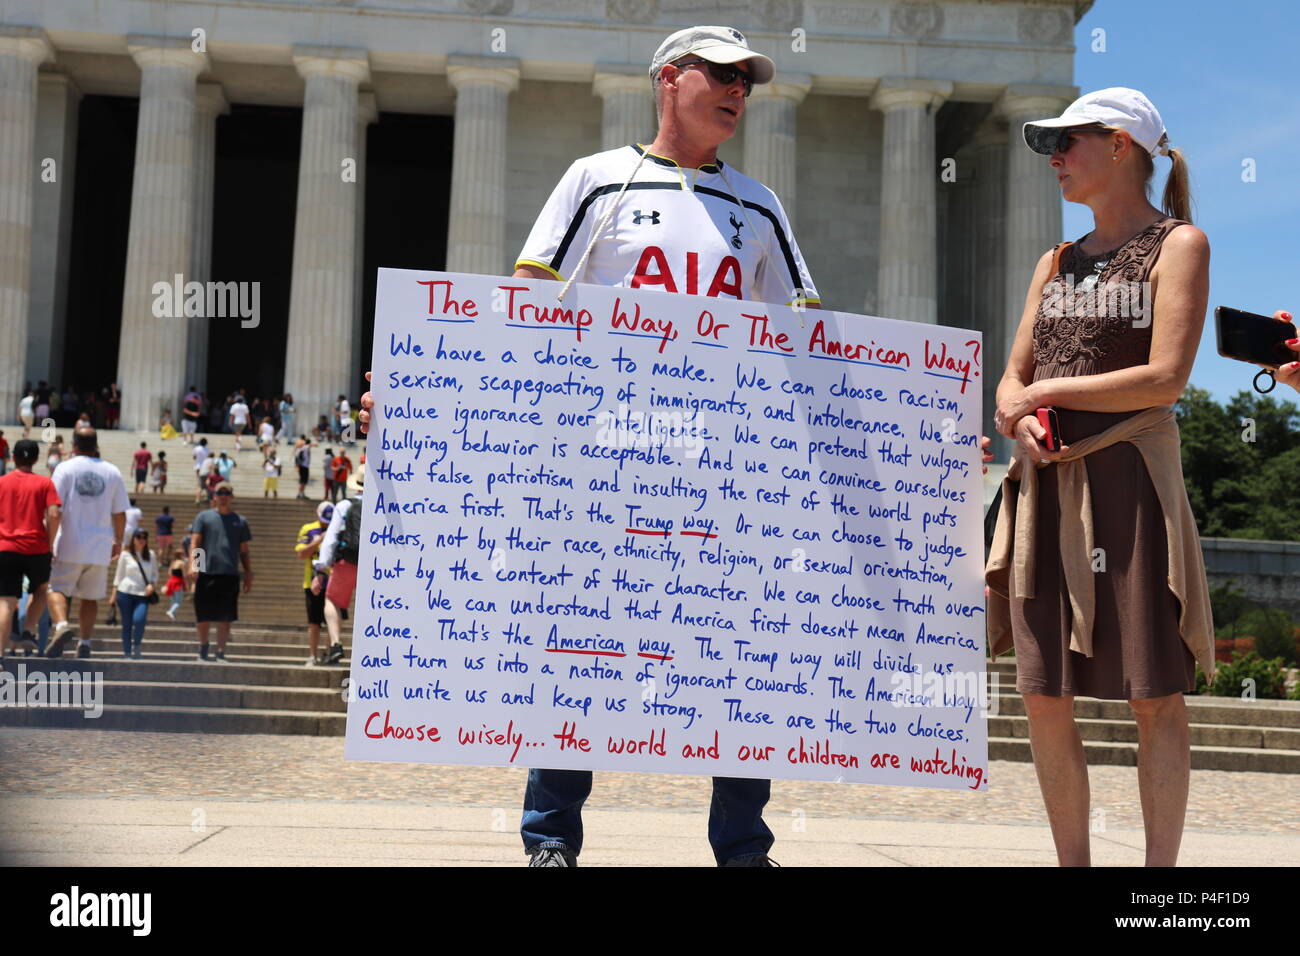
x=674 y=229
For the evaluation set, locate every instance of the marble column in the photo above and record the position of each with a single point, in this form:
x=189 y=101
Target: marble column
x=908 y=278
x=1033 y=198
x=771 y=137
x=318 y=358
x=152 y=347
x=627 y=105
x=956 y=219
x=476 y=232
x=22 y=50
x=988 y=151
x=55 y=177
x=367 y=113
x=210 y=102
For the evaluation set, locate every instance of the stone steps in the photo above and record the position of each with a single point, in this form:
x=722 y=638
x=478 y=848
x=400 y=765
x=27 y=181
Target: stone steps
x=196 y=720
x=1125 y=754
x=118 y=446
x=264 y=693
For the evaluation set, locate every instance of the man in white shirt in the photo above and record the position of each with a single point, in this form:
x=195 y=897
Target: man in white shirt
x=201 y=454
x=239 y=420
x=669 y=216
x=133 y=518
x=674 y=217
x=90 y=538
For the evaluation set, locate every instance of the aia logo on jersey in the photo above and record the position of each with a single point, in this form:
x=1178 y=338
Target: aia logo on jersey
x=653 y=270
x=735 y=240
x=653 y=216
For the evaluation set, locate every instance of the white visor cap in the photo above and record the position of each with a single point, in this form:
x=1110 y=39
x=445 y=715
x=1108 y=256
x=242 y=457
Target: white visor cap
x=717 y=45
x=1116 y=106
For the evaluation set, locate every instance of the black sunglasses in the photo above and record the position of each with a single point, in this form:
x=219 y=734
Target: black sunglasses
x=1052 y=140
x=142 y=534
x=724 y=73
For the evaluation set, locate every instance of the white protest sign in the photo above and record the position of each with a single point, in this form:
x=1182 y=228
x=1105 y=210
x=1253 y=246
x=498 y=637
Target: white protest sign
x=656 y=532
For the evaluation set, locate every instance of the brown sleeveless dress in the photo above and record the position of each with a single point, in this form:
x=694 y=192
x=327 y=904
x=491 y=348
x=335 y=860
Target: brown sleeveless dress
x=1137 y=649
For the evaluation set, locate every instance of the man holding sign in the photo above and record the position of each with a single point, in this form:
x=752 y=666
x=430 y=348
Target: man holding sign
x=670 y=216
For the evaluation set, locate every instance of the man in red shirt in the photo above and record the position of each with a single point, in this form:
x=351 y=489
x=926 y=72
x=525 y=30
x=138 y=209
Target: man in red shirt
x=29 y=521
x=142 y=459
x=340 y=467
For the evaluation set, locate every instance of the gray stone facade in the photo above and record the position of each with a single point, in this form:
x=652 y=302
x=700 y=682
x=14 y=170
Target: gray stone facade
x=874 y=96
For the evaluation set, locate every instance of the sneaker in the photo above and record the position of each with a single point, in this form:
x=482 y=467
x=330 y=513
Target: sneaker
x=137 y=654
x=335 y=655
x=83 y=651
x=553 y=856
x=203 y=652
x=311 y=662
x=63 y=633
x=221 y=656
x=170 y=614
x=755 y=859
x=28 y=642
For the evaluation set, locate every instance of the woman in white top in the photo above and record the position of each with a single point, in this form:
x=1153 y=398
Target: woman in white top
x=137 y=574
x=265 y=434
x=27 y=413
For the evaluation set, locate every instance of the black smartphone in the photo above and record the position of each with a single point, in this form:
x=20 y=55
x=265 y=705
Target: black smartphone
x=1249 y=337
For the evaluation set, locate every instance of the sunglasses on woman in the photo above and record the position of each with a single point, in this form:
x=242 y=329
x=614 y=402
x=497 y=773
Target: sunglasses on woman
x=724 y=73
x=142 y=535
x=1049 y=141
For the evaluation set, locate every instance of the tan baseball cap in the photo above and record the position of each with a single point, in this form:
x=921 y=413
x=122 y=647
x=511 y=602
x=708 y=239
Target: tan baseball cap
x=717 y=45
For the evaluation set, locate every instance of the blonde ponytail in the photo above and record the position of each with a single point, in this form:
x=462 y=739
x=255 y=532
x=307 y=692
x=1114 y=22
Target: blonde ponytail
x=1177 y=201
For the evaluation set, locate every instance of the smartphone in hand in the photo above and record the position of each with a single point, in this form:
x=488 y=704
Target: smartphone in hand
x=1254 y=338
x=1047 y=418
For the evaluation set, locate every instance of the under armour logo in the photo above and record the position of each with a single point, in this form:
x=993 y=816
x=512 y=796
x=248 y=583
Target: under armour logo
x=653 y=216
x=735 y=240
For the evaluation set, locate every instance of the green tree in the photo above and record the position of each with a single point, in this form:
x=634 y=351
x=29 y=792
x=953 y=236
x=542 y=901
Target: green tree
x=1241 y=463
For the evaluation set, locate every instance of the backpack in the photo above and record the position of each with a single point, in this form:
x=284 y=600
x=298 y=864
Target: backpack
x=348 y=546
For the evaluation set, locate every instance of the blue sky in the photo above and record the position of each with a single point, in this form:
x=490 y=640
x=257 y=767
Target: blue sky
x=1226 y=79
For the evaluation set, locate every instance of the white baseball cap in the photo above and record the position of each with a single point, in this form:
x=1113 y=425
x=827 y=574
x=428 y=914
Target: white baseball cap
x=717 y=45
x=1118 y=107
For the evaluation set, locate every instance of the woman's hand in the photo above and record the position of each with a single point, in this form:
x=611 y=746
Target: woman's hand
x=985 y=455
x=1030 y=434
x=363 y=416
x=1289 y=374
x=148 y=590
x=1014 y=407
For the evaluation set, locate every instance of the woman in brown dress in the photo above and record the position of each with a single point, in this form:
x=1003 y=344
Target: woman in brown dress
x=1109 y=331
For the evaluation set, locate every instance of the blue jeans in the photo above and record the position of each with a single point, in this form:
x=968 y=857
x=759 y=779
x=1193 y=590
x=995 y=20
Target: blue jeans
x=553 y=813
x=134 y=611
